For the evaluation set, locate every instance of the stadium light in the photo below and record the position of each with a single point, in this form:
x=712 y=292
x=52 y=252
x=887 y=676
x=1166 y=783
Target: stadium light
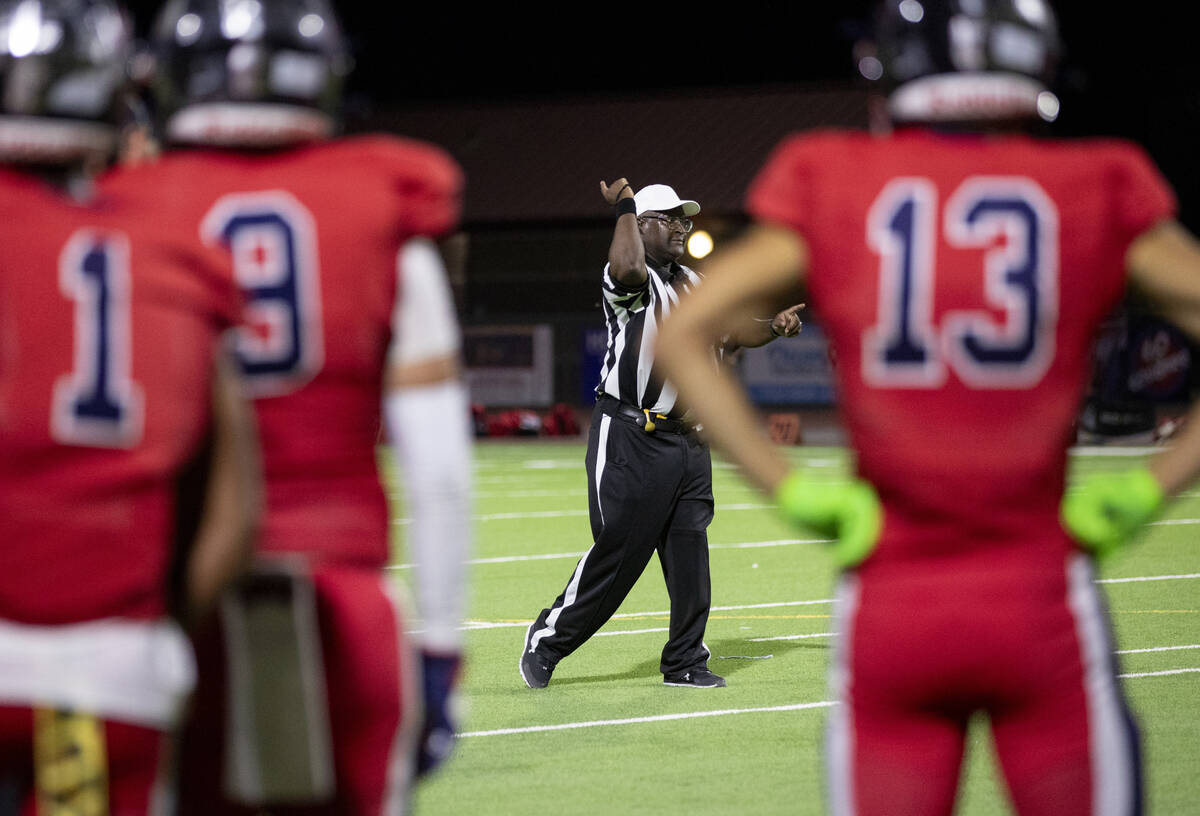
x=699 y=244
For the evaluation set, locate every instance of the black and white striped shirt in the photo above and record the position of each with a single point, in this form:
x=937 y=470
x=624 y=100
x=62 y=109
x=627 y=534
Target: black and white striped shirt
x=633 y=317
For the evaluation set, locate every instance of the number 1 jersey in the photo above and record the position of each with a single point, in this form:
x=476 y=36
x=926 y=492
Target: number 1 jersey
x=961 y=280
x=108 y=327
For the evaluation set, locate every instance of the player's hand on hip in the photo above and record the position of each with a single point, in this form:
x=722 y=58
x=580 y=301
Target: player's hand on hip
x=1105 y=509
x=787 y=323
x=440 y=674
x=615 y=191
x=848 y=512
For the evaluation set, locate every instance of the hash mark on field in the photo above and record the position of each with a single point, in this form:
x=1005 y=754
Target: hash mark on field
x=530 y=729
x=792 y=637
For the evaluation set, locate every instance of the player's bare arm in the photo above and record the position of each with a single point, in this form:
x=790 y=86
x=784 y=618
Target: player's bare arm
x=626 y=254
x=746 y=279
x=443 y=368
x=1164 y=265
x=234 y=496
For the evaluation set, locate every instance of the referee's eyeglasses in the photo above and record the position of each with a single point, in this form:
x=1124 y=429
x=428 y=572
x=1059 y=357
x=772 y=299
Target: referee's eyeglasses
x=672 y=221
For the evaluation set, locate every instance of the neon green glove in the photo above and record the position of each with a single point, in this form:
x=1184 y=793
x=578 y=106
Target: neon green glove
x=1107 y=508
x=847 y=511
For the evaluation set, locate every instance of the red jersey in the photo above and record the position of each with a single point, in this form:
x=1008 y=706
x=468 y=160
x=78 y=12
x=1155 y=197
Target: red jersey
x=961 y=279
x=108 y=325
x=314 y=234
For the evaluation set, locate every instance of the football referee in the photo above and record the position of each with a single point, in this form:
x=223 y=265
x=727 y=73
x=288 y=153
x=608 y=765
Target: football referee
x=649 y=472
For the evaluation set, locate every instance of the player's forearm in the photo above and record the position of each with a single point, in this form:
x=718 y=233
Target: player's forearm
x=1164 y=264
x=1179 y=465
x=233 y=502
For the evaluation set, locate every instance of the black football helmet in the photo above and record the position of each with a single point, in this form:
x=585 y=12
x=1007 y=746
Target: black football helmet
x=63 y=79
x=966 y=60
x=248 y=73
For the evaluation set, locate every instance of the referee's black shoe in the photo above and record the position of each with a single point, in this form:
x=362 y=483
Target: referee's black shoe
x=535 y=669
x=698 y=677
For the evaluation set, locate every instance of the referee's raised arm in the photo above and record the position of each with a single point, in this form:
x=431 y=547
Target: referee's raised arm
x=626 y=254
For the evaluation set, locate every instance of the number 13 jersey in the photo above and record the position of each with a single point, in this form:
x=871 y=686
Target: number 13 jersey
x=961 y=279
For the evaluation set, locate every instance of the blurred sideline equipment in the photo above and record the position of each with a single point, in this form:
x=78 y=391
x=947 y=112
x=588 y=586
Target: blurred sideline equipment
x=348 y=319
x=111 y=392
x=962 y=305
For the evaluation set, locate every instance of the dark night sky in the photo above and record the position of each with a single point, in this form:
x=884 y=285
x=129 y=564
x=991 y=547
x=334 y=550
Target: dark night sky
x=1134 y=76
x=446 y=51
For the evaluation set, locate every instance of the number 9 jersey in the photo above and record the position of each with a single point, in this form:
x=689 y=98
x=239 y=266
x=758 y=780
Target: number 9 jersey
x=314 y=234
x=961 y=279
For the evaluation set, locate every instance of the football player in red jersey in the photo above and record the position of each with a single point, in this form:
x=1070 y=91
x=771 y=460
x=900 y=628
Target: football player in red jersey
x=962 y=270
x=348 y=319
x=110 y=394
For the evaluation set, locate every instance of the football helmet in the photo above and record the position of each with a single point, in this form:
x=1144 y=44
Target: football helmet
x=248 y=73
x=966 y=60
x=63 y=79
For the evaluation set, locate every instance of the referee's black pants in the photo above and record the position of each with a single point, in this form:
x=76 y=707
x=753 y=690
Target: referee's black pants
x=647 y=491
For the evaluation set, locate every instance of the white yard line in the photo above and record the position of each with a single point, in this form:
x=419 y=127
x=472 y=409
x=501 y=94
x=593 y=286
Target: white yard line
x=578 y=493
x=764 y=605
x=1121 y=452
x=530 y=514
x=550 y=514
x=532 y=729
x=1161 y=673
x=633 y=632
x=771 y=605
x=725 y=508
x=660 y=613
x=1149 y=578
x=1158 y=649
x=745 y=545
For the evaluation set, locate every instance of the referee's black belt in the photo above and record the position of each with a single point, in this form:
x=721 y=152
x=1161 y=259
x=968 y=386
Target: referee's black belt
x=644 y=419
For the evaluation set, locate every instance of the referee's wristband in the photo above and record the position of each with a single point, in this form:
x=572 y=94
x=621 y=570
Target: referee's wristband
x=626 y=206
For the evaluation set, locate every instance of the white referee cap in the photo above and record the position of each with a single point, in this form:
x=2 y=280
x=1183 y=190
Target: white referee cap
x=661 y=198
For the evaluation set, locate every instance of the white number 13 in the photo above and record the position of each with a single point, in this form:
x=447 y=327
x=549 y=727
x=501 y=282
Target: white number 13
x=1016 y=225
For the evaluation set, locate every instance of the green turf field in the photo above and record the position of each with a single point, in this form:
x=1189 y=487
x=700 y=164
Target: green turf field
x=608 y=738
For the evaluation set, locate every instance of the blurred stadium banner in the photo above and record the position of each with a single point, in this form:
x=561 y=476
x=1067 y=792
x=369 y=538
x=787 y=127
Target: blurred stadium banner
x=510 y=365
x=594 y=344
x=790 y=371
x=1141 y=363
